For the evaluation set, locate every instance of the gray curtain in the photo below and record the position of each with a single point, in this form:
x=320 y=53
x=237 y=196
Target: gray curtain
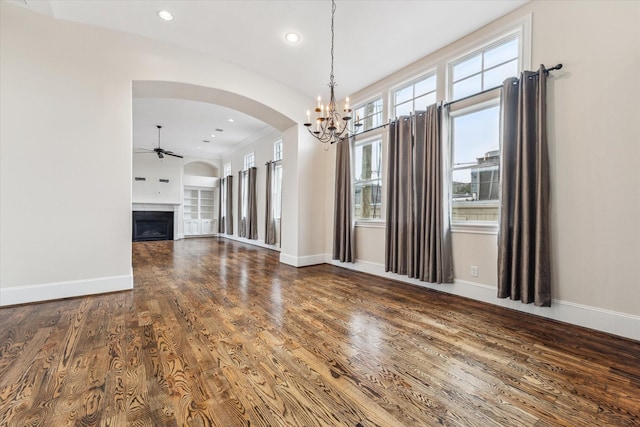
x=523 y=241
x=399 y=222
x=432 y=258
x=269 y=220
x=242 y=221
x=252 y=205
x=229 y=211
x=343 y=239
x=221 y=215
x=418 y=241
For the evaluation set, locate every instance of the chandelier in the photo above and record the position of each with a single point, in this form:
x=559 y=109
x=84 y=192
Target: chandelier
x=331 y=125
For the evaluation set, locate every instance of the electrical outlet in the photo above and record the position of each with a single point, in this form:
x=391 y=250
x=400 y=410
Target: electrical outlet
x=474 y=271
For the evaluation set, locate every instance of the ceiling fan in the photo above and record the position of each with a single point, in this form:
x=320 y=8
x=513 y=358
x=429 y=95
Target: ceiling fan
x=161 y=151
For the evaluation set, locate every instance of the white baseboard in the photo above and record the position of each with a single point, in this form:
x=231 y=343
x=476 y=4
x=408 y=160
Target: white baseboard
x=259 y=243
x=612 y=322
x=302 y=261
x=74 y=288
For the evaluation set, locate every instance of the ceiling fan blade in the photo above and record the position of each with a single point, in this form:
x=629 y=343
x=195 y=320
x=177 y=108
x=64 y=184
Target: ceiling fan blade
x=169 y=153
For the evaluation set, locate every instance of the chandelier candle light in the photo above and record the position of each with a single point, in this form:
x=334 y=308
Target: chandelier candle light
x=331 y=126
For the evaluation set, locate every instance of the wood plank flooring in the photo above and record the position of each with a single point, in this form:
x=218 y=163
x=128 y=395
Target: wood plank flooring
x=218 y=333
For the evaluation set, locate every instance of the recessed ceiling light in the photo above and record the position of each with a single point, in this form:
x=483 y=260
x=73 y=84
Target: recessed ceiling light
x=166 y=15
x=292 y=37
x=230 y=120
x=199 y=147
x=212 y=135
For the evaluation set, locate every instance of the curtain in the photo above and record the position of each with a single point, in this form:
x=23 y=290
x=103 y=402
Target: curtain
x=418 y=241
x=229 y=205
x=221 y=213
x=269 y=220
x=432 y=258
x=242 y=203
x=252 y=205
x=523 y=240
x=343 y=239
x=399 y=223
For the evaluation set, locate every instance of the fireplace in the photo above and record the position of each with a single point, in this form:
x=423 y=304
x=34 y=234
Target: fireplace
x=152 y=226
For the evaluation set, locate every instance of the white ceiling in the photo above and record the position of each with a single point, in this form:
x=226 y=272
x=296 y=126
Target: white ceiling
x=372 y=39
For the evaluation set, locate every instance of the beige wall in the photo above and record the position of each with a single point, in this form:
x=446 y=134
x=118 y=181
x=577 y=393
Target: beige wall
x=594 y=142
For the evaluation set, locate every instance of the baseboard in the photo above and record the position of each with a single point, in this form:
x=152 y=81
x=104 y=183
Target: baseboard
x=259 y=243
x=609 y=321
x=302 y=261
x=74 y=288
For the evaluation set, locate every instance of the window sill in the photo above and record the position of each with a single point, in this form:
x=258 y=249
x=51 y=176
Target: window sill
x=371 y=223
x=475 y=227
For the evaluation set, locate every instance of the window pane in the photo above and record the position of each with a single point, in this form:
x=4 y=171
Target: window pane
x=403 y=109
x=404 y=94
x=476 y=135
x=475 y=180
x=467 y=87
x=495 y=77
x=424 y=101
x=501 y=53
x=425 y=86
x=468 y=67
x=368 y=180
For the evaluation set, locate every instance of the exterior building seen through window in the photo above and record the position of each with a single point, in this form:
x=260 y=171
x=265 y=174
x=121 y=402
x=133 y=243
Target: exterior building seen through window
x=368 y=179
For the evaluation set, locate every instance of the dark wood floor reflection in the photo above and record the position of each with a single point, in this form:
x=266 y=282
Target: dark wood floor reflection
x=218 y=333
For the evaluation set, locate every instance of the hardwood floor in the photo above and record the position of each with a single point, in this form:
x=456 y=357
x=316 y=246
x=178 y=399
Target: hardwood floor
x=218 y=333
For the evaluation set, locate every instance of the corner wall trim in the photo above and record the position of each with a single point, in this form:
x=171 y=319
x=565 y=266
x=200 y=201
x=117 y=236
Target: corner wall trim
x=58 y=290
x=259 y=243
x=302 y=261
x=609 y=321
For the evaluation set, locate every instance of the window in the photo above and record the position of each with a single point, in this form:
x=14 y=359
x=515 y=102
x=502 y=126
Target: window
x=475 y=168
x=417 y=95
x=368 y=179
x=475 y=127
x=369 y=115
x=248 y=161
x=227 y=169
x=277 y=192
x=485 y=68
x=277 y=151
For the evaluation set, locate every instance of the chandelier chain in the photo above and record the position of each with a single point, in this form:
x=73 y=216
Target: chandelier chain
x=333 y=12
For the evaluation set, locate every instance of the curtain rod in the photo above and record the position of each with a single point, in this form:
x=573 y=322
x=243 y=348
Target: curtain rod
x=446 y=104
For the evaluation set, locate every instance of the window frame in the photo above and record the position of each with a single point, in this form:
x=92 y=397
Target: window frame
x=277 y=191
x=354 y=181
x=364 y=104
x=227 y=170
x=277 y=150
x=521 y=29
x=469 y=106
x=432 y=72
x=249 y=160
